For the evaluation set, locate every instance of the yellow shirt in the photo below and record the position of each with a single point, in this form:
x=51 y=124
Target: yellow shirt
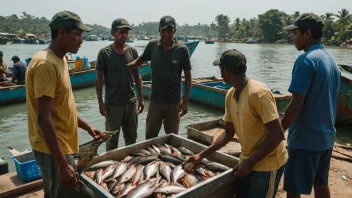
x=3 y=70
x=47 y=75
x=256 y=107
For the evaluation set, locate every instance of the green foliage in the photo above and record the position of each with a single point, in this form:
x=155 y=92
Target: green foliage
x=271 y=24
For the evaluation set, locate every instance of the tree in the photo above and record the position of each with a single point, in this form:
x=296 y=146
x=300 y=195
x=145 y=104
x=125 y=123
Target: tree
x=343 y=17
x=223 y=25
x=271 y=25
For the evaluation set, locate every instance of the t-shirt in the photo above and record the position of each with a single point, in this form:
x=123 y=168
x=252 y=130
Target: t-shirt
x=166 y=70
x=47 y=75
x=19 y=69
x=3 y=70
x=256 y=107
x=316 y=76
x=119 y=79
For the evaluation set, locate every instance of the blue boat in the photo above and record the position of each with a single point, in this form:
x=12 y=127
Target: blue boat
x=18 y=41
x=211 y=92
x=209 y=42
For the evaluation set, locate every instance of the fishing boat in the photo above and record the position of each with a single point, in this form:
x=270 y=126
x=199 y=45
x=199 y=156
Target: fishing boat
x=42 y=41
x=344 y=108
x=211 y=91
x=31 y=39
x=3 y=40
x=18 y=41
x=209 y=42
x=145 y=38
x=92 y=38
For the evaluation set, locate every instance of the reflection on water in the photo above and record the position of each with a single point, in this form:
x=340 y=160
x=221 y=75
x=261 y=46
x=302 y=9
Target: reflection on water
x=271 y=64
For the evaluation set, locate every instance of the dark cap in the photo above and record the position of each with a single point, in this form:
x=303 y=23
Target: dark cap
x=15 y=58
x=234 y=60
x=1 y=54
x=166 y=21
x=306 y=20
x=66 y=19
x=120 y=23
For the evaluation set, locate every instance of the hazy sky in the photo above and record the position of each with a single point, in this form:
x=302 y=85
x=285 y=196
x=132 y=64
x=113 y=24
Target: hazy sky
x=103 y=12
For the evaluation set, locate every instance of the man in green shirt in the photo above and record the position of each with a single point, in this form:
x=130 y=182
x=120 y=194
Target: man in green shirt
x=119 y=106
x=168 y=58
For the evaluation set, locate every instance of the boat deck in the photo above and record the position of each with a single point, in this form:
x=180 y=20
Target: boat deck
x=12 y=186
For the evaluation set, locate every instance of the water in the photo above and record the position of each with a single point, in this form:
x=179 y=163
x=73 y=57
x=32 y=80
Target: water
x=271 y=64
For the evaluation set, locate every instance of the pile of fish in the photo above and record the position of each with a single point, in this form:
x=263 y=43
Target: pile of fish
x=157 y=171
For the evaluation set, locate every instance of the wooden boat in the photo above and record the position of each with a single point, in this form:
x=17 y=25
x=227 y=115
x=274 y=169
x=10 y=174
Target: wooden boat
x=344 y=108
x=209 y=42
x=347 y=68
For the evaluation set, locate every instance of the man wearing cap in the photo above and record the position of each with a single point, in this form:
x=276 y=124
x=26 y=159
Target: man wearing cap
x=51 y=109
x=168 y=58
x=3 y=69
x=251 y=114
x=119 y=107
x=310 y=116
x=18 y=71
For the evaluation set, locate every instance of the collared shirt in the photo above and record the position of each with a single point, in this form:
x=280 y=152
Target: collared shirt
x=316 y=76
x=166 y=70
x=19 y=69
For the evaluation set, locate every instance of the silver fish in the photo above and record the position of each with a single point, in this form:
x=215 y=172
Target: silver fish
x=169 y=158
x=127 y=159
x=148 y=159
x=175 y=150
x=127 y=176
x=117 y=188
x=150 y=149
x=105 y=187
x=108 y=171
x=165 y=150
x=150 y=169
x=214 y=166
x=156 y=149
x=185 y=151
x=135 y=159
x=201 y=171
x=165 y=171
x=176 y=174
x=119 y=170
x=98 y=176
x=144 y=190
x=170 y=189
x=189 y=180
x=103 y=164
x=138 y=153
x=163 y=182
x=128 y=188
x=145 y=152
x=142 y=177
x=137 y=176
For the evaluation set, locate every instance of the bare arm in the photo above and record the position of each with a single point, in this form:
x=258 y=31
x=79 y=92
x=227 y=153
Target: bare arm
x=292 y=111
x=188 y=84
x=138 y=80
x=99 y=85
x=14 y=77
x=136 y=63
x=44 y=108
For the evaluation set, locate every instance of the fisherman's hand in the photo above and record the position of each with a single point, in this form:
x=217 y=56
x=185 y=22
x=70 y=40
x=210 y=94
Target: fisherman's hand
x=244 y=169
x=68 y=177
x=183 y=108
x=102 y=109
x=95 y=133
x=140 y=106
x=196 y=159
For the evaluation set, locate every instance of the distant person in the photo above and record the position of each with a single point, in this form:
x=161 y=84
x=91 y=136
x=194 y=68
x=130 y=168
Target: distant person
x=251 y=114
x=169 y=58
x=310 y=116
x=18 y=71
x=3 y=69
x=119 y=106
x=51 y=110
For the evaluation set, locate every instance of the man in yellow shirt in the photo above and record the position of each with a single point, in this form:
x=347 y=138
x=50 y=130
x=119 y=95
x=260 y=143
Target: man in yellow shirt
x=3 y=69
x=51 y=109
x=251 y=113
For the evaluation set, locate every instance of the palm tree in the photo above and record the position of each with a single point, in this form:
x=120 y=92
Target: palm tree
x=343 y=17
x=237 y=24
x=329 y=16
x=296 y=14
x=223 y=25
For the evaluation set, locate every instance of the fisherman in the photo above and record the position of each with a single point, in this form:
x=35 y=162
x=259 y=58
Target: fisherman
x=3 y=69
x=52 y=116
x=251 y=114
x=119 y=107
x=310 y=116
x=18 y=71
x=168 y=58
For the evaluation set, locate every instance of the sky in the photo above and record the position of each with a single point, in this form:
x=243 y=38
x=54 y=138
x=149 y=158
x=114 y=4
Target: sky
x=192 y=12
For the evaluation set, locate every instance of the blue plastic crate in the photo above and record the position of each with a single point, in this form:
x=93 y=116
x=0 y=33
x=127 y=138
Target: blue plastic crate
x=26 y=167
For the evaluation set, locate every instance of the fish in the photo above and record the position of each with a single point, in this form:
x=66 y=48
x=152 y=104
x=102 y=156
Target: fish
x=138 y=153
x=108 y=171
x=175 y=151
x=111 y=184
x=137 y=176
x=181 y=158
x=189 y=180
x=200 y=171
x=165 y=150
x=105 y=187
x=127 y=176
x=117 y=188
x=171 y=159
x=176 y=174
x=136 y=159
x=103 y=164
x=98 y=176
x=151 y=150
x=119 y=170
x=214 y=166
x=156 y=149
x=90 y=174
x=142 y=177
x=170 y=189
x=144 y=190
x=127 y=189
x=145 y=152
x=165 y=171
x=150 y=169
x=163 y=182
x=128 y=158
x=148 y=159
x=185 y=151
x=208 y=173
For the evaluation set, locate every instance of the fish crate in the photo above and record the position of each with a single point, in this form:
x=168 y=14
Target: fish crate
x=206 y=132
x=26 y=167
x=221 y=185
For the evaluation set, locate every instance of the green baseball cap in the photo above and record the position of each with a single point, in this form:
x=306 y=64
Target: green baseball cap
x=15 y=57
x=120 y=23
x=306 y=20
x=66 y=19
x=234 y=60
x=166 y=21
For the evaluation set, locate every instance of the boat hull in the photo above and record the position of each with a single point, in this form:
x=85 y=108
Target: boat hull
x=344 y=108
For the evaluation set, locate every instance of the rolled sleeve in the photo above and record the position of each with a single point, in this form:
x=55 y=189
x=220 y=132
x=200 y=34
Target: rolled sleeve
x=302 y=76
x=45 y=81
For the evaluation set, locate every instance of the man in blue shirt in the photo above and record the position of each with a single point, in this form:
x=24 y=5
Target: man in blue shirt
x=310 y=117
x=18 y=71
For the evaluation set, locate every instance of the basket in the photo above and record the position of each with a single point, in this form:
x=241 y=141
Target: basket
x=26 y=167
